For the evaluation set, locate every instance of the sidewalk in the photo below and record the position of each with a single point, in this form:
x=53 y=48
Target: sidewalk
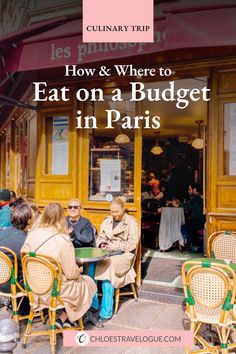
x=144 y=314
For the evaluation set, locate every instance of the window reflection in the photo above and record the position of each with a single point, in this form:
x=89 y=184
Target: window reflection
x=230 y=139
x=111 y=163
x=57 y=145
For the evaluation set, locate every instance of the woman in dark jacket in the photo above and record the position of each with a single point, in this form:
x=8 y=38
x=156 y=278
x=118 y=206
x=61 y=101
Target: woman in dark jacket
x=14 y=237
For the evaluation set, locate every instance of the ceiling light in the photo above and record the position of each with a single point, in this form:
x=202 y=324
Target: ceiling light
x=198 y=143
x=122 y=139
x=157 y=150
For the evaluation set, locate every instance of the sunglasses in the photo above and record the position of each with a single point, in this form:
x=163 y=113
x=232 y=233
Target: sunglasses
x=73 y=207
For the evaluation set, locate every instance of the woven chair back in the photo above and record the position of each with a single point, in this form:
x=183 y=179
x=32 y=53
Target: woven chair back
x=5 y=268
x=40 y=273
x=208 y=286
x=224 y=246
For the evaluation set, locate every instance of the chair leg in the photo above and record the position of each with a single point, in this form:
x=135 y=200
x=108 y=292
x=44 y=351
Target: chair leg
x=157 y=239
x=224 y=338
x=14 y=304
x=187 y=350
x=117 y=299
x=28 y=328
x=134 y=292
x=49 y=316
x=53 y=337
x=81 y=324
x=42 y=317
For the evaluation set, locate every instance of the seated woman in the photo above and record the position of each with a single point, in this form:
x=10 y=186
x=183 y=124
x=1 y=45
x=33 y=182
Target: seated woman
x=36 y=216
x=14 y=237
x=80 y=228
x=51 y=238
x=119 y=232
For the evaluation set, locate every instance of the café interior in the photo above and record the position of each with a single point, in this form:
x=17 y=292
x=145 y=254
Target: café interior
x=174 y=153
x=176 y=158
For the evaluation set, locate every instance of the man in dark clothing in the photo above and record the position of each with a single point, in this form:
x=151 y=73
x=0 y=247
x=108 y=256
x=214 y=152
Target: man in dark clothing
x=80 y=228
x=196 y=220
x=178 y=181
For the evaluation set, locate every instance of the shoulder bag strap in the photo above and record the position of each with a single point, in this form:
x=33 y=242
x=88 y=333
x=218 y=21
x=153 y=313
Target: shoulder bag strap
x=46 y=241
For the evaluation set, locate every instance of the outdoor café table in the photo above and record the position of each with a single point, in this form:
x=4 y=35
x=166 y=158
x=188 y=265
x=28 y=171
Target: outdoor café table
x=85 y=255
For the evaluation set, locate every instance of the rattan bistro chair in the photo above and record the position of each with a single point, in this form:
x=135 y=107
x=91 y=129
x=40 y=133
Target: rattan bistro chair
x=42 y=276
x=133 y=291
x=9 y=273
x=222 y=245
x=119 y=293
x=209 y=294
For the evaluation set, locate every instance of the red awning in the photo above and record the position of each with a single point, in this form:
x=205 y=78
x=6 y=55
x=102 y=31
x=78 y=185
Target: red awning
x=209 y=28
x=16 y=36
x=68 y=29
x=9 y=42
x=63 y=45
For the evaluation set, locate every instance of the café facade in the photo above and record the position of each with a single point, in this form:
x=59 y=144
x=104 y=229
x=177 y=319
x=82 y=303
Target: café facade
x=45 y=157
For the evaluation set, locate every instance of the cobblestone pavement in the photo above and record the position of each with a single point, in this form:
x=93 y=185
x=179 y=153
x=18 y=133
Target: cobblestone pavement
x=131 y=315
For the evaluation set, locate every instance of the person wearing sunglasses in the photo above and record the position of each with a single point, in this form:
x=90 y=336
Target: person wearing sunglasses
x=80 y=228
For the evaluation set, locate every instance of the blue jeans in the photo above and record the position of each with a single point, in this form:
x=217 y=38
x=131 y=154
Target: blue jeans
x=107 y=295
x=91 y=270
x=107 y=303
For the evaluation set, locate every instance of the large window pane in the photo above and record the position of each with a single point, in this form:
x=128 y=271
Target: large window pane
x=111 y=166
x=230 y=139
x=56 y=159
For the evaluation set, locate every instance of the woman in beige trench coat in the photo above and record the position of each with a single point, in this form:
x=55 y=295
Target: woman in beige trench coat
x=51 y=239
x=118 y=232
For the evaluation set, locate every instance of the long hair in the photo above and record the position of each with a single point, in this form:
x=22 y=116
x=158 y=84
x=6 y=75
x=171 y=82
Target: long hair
x=53 y=216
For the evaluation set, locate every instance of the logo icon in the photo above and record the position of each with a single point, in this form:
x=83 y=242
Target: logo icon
x=82 y=338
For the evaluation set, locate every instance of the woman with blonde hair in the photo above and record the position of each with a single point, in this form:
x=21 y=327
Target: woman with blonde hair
x=51 y=238
x=119 y=235
x=36 y=216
